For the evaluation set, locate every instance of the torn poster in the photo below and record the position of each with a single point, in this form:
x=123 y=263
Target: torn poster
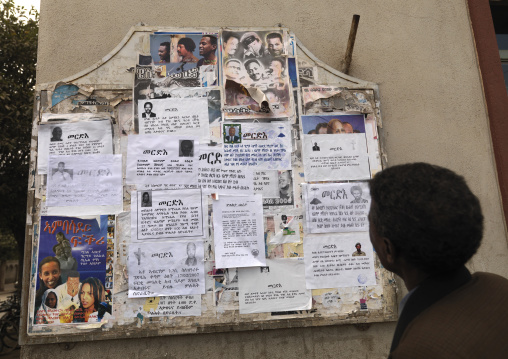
x=336 y=207
x=238 y=231
x=87 y=180
x=319 y=99
x=176 y=65
x=174 y=116
x=335 y=148
x=283 y=227
x=255 y=74
x=169 y=268
x=160 y=158
x=166 y=214
x=72 y=262
x=276 y=187
x=258 y=146
x=73 y=138
x=170 y=306
x=277 y=287
x=342 y=260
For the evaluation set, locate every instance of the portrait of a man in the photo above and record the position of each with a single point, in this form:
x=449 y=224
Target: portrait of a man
x=146 y=199
x=232 y=136
x=148 y=110
x=56 y=134
x=186 y=148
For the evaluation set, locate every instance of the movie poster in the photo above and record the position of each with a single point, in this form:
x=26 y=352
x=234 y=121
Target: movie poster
x=74 y=271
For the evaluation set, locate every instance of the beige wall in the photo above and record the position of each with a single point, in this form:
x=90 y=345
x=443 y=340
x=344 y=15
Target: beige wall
x=422 y=56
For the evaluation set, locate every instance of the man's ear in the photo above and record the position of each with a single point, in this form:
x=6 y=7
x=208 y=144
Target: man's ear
x=390 y=251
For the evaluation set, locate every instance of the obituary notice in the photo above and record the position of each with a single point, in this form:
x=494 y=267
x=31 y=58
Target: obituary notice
x=167 y=214
x=238 y=231
x=73 y=139
x=277 y=287
x=174 y=116
x=169 y=268
x=336 y=207
x=87 y=180
x=153 y=159
x=171 y=306
x=342 y=260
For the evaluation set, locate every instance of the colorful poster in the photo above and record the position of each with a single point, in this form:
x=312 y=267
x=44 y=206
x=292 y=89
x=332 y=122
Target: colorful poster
x=256 y=74
x=72 y=265
x=342 y=260
x=336 y=207
x=90 y=136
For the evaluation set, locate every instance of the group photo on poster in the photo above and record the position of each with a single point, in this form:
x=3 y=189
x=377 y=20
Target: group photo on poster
x=71 y=271
x=255 y=73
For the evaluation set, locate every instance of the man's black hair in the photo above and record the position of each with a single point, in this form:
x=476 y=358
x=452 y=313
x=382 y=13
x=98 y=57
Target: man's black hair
x=429 y=214
x=167 y=45
x=274 y=35
x=213 y=39
x=148 y=103
x=249 y=61
x=188 y=43
x=228 y=36
x=321 y=125
x=282 y=62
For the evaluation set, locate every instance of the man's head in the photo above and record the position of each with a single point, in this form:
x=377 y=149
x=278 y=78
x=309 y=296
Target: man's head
x=284 y=180
x=207 y=46
x=146 y=197
x=348 y=128
x=230 y=44
x=187 y=147
x=251 y=42
x=277 y=66
x=322 y=128
x=272 y=96
x=425 y=216
x=185 y=47
x=191 y=250
x=335 y=126
x=274 y=41
x=232 y=131
x=233 y=68
x=165 y=51
x=73 y=283
x=358 y=247
x=254 y=69
x=57 y=133
x=61 y=166
x=356 y=191
x=148 y=107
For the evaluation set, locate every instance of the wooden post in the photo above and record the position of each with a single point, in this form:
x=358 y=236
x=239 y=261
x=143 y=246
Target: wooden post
x=350 y=44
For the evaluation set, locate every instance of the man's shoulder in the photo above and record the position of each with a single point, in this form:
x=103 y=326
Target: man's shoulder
x=470 y=321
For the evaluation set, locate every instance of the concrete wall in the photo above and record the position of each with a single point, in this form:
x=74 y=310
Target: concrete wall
x=420 y=53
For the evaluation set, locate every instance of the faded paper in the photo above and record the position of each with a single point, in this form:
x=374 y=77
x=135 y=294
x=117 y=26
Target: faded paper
x=336 y=207
x=161 y=158
x=174 y=116
x=286 y=228
x=342 y=260
x=278 y=186
x=238 y=231
x=167 y=214
x=277 y=287
x=85 y=137
x=258 y=146
x=169 y=268
x=170 y=306
x=266 y=183
x=87 y=180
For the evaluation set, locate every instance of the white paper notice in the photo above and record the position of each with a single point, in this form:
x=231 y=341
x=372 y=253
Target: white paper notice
x=172 y=306
x=88 y=180
x=336 y=207
x=342 y=260
x=73 y=138
x=213 y=178
x=238 y=231
x=160 y=158
x=278 y=287
x=167 y=214
x=259 y=146
x=267 y=183
x=174 y=116
x=170 y=268
x=335 y=157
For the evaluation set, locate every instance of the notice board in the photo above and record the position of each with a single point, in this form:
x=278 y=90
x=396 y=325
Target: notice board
x=202 y=180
